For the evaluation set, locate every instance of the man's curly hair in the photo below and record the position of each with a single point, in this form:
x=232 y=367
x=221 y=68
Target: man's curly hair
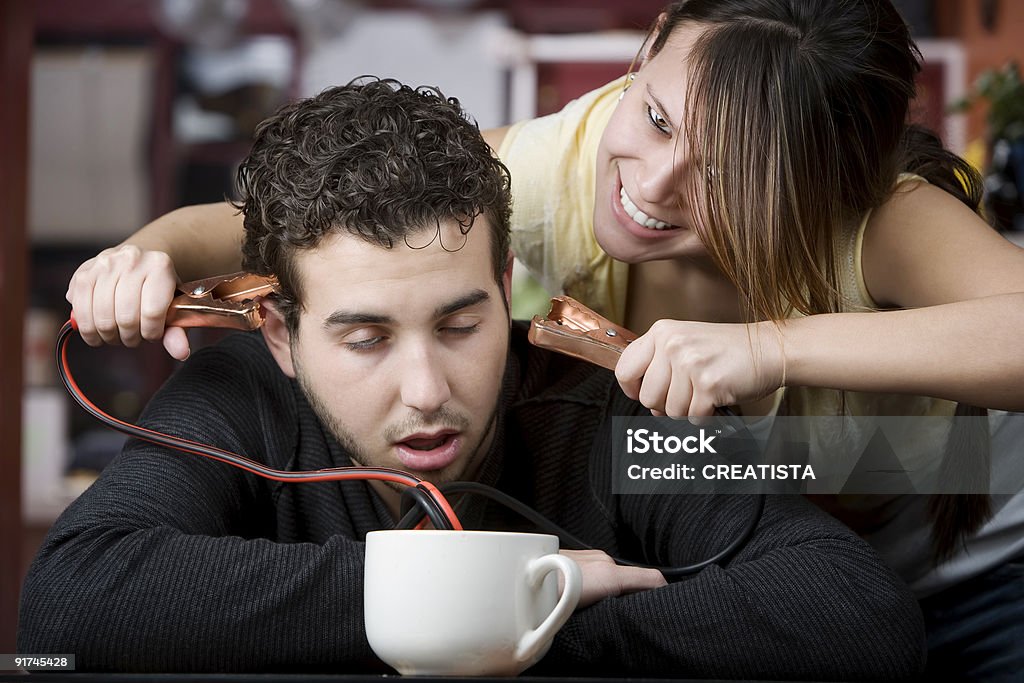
x=374 y=158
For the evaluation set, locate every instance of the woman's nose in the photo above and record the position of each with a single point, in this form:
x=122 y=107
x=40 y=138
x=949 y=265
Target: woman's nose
x=657 y=176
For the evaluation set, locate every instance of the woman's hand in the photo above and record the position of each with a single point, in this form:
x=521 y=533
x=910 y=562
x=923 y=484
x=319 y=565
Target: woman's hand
x=686 y=369
x=121 y=296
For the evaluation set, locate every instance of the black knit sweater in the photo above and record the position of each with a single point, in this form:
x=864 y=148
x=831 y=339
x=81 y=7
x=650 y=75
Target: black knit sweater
x=172 y=562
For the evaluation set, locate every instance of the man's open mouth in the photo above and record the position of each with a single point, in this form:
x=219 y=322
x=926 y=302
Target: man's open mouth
x=427 y=444
x=426 y=452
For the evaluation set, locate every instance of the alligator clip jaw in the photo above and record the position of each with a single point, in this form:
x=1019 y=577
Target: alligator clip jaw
x=575 y=330
x=230 y=301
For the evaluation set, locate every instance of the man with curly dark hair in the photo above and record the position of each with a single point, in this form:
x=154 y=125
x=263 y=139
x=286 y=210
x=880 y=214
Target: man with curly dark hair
x=385 y=219
x=392 y=167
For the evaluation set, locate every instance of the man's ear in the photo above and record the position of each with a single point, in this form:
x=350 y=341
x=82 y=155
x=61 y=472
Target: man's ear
x=278 y=339
x=506 y=280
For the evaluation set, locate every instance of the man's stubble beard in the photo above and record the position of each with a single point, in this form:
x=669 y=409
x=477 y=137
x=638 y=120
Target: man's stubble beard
x=443 y=418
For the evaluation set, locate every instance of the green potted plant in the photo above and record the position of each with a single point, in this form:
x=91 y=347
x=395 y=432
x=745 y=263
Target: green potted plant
x=1003 y=90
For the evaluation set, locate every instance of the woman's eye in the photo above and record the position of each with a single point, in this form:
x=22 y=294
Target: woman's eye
x=658 y=121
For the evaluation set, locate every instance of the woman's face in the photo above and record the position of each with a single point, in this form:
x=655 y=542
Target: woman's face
x=641 y=212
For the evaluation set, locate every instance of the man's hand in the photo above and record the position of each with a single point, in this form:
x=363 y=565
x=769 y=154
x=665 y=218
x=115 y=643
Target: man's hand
x=602 y=578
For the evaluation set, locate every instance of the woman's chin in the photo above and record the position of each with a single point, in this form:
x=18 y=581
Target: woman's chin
x=618 y=248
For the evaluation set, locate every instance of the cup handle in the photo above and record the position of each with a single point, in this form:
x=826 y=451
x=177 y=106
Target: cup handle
x=533 y=640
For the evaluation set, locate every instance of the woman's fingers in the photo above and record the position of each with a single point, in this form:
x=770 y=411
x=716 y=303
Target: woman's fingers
x=679 y=400
x=79 y=295
x=155 y=298
x=176 y=343
x=121 y=296
x=103 y=307
x=632 y=365
x=127 y=302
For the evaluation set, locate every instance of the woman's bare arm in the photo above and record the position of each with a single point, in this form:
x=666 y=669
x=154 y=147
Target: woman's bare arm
x=202 y=240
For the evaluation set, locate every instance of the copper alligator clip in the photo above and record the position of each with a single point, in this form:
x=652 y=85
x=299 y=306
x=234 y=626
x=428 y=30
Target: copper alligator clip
x=230 y=301
x=575 y=330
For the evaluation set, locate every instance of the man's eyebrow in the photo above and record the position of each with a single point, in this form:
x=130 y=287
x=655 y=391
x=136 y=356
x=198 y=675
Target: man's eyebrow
x=660 y=106
x=339 y=318
x=471 y=299
x=346 y=318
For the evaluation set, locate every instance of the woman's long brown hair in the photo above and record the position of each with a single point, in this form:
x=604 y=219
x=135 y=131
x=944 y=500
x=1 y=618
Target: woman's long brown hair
x=797 y=121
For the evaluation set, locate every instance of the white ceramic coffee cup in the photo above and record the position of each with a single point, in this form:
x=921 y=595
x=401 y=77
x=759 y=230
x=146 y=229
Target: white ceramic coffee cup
x=464 y=603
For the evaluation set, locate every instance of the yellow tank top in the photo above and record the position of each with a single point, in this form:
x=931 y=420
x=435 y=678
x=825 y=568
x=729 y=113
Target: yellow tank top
x=553 y=162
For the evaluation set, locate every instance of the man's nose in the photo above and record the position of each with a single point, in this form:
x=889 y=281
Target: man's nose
x=424 y=380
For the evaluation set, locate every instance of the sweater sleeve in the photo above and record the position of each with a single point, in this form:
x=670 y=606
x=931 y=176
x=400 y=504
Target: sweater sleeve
x=805 y=598
x=166 y=563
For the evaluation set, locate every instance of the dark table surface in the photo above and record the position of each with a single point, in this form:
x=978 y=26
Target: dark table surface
x=295 y=678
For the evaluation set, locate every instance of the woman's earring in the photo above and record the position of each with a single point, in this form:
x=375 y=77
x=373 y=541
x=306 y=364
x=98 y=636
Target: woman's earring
x=630 y=77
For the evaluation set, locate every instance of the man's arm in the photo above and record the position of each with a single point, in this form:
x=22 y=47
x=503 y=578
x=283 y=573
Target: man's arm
x=804 y=599
x=165 y=563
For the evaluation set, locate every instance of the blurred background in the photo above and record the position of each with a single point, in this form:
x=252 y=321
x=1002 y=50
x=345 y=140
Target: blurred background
x=116 y=111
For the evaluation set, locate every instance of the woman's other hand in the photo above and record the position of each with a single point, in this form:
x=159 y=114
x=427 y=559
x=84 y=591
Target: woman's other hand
x=687 y=369
x=121 y=296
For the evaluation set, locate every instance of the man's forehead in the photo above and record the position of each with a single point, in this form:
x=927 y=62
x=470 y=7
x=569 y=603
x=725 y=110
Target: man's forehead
x=348 y=272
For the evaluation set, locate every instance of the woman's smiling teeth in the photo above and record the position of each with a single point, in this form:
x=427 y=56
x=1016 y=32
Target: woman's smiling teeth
x=638 y=216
